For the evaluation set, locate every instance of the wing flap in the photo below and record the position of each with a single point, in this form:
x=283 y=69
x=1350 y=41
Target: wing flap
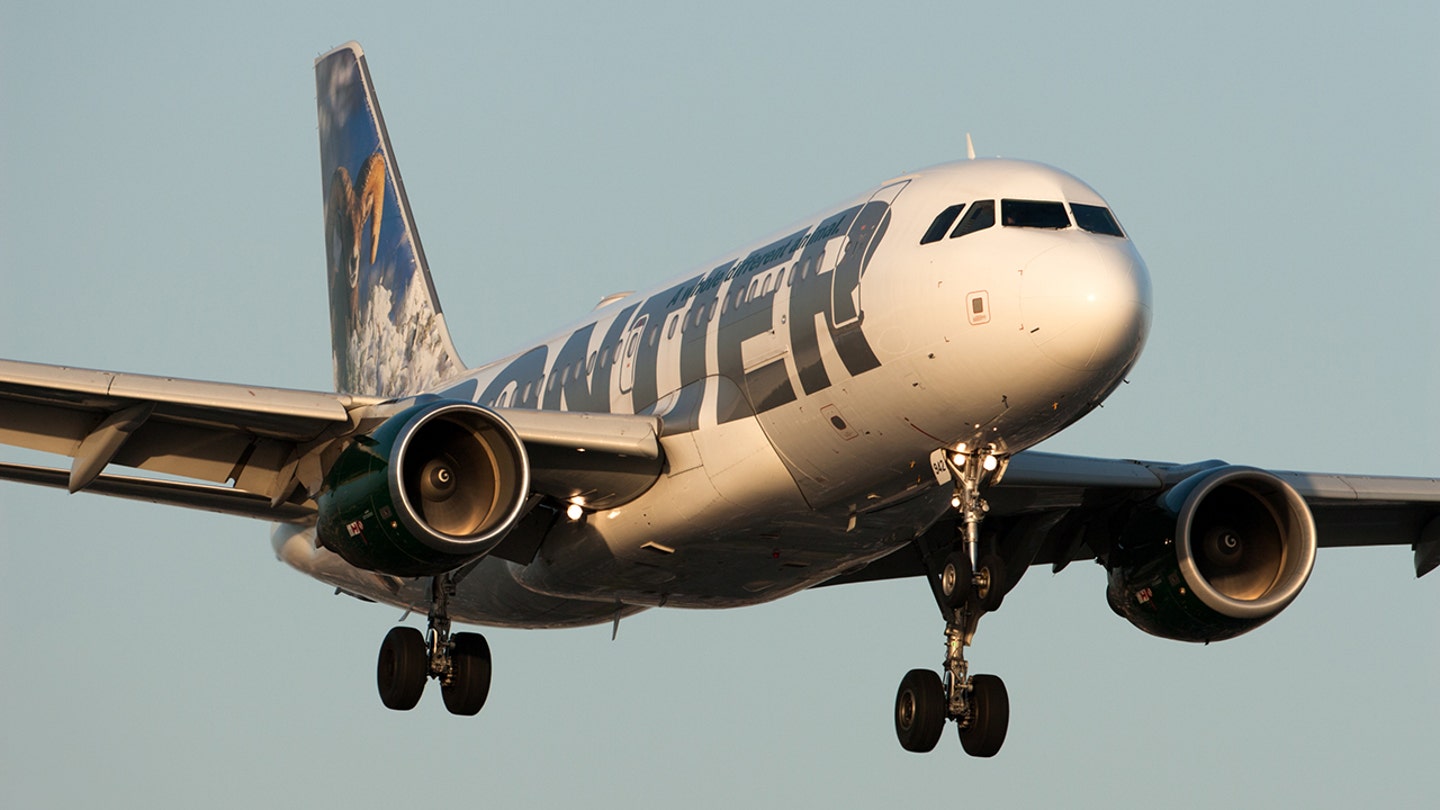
x=207 y=497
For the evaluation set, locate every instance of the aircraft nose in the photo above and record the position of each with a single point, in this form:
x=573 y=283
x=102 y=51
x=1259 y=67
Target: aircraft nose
x=1086 y=304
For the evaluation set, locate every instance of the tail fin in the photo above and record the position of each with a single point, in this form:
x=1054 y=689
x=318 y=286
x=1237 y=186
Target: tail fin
x=387 y=333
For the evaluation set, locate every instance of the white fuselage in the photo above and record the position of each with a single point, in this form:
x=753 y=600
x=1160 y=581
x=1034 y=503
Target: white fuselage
x=804 y=383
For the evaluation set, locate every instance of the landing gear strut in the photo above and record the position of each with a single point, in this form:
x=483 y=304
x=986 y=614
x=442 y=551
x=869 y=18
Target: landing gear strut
x=966 y=586
x=459 y=661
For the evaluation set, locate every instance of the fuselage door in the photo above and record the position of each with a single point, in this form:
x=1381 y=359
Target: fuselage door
x=633 y=336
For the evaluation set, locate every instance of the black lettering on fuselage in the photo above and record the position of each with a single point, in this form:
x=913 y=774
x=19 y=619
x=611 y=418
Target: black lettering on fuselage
x=811 y=298
x=694 y=337
x=526 y=373
x=743 y=316
x=656 y=310
x=734 y=302
x=845 y=316
x=571 y=386
x=587 y=388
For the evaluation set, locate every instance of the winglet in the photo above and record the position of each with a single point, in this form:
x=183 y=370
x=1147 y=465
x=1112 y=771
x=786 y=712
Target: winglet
x=969 y=147
x=1427 y=548
x=388 y=335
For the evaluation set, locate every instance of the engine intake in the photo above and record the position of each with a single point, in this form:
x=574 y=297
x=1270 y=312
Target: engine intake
x=1216 y=556
x=434 y=487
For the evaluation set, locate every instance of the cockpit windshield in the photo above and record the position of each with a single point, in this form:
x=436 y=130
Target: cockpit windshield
x=1096 y=219
x=1046 y=214
x=980 y=216
x=1034 y=214
x=941 y=224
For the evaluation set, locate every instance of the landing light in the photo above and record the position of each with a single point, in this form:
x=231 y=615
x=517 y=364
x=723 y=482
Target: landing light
x=990 y=463
x=574 y=511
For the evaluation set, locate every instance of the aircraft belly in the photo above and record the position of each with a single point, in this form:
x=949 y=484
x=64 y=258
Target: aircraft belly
x=733 y=530
x=490 y=595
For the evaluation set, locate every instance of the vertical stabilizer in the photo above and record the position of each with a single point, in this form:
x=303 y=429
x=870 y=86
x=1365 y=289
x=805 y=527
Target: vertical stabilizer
x=387 y=333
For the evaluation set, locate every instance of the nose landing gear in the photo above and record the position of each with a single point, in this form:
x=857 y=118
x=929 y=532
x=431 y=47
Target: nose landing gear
x=460 y=662
x=966 y=586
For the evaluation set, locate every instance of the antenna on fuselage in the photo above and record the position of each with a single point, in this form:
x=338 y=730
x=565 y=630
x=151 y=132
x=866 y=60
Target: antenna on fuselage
x=969 y=147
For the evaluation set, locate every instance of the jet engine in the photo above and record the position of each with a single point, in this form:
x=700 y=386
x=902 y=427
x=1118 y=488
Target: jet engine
x=434 y=487
x=1217 y=555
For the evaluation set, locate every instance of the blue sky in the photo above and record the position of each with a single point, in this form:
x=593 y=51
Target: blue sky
x=160 y=212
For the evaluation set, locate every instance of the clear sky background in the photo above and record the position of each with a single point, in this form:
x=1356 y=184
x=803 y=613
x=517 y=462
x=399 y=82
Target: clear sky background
x=160 y=212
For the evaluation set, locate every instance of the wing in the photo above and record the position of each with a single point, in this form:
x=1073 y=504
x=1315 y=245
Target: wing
x=1349 y=510
x=261 y=452
x=1056 y=509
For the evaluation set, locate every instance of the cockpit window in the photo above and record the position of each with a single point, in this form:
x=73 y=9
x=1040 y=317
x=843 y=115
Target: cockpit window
x=980 y=216
x=941 y=224
x=1034 y=214
x=1096 y=219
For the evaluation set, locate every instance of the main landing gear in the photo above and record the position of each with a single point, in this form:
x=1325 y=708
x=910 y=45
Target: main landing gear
x=966 y=587
x=459 y=661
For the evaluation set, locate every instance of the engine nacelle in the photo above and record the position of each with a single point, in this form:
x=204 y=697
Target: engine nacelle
x=1219 y=554
x=434 y=487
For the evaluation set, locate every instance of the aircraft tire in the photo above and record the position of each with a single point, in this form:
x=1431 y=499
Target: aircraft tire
x=988 y=598
x=469 y=682
x=920 y=711
x=402 y=669
x=955 y=579
x=989 y=717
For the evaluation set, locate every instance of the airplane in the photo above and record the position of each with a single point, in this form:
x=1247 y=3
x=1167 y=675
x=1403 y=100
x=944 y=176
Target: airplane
x=851 y=398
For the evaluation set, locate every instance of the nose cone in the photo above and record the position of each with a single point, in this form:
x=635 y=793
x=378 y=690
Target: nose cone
x=1086 y=304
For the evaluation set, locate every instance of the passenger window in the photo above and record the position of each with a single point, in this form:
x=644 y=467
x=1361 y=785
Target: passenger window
x=941 y=224
x=1096 y=219
x=980 y=216
x=1034 y=214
